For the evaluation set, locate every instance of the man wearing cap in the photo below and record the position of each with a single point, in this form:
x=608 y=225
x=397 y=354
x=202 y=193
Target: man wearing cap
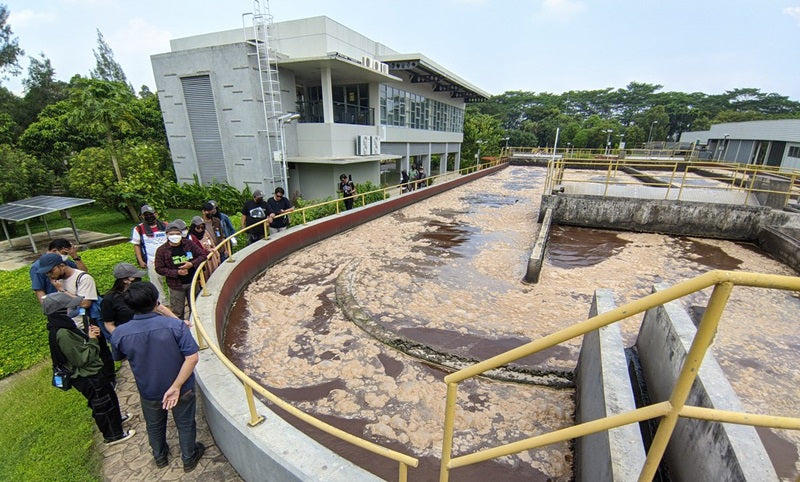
x=162 y=354
x=40 y=283
x=79 y=352
x=254 y=211
x=177 y=260
x=146 y=238
x=75 y=282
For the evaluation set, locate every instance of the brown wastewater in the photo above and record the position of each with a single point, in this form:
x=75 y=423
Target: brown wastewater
x=446 y=272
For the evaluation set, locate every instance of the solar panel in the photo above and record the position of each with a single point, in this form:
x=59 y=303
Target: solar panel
x=33 y=207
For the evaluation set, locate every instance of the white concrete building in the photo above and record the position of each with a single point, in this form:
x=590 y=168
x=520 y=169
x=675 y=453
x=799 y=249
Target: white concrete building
x=763 y=142
x=363 y=109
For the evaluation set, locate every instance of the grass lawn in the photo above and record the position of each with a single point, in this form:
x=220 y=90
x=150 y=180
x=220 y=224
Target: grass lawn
x=46 y=434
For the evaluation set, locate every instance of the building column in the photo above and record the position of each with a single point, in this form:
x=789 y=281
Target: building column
x=327 y=95
x=443 y=160
x=457 y=161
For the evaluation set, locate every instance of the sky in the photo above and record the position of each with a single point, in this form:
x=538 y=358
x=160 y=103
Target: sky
x=552 y=46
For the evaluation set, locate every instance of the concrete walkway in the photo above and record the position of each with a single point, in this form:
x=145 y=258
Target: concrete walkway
x=133 y=460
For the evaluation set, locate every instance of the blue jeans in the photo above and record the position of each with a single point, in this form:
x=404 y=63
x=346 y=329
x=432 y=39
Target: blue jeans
x=182 y=414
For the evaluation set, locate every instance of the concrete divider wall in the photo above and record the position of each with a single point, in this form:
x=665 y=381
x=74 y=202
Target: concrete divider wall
x=698 y=450
x=603 y=388
x=274 y=450
x=537 y=254
x=685 y=218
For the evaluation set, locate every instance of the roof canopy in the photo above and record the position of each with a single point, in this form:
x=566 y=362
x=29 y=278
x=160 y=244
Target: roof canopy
x=423 y=70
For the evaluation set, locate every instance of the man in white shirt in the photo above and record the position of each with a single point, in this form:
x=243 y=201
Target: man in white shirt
x=146 y=238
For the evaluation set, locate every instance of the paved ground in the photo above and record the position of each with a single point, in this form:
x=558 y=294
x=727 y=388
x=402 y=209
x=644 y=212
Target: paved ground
x=19 y=252
x=132 y=460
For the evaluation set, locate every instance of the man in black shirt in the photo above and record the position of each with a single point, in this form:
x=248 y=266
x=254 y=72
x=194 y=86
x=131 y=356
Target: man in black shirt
x=277 y=205
x=255 y=210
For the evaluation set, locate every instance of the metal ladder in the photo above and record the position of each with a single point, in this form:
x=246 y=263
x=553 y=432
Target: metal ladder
x=258 y=37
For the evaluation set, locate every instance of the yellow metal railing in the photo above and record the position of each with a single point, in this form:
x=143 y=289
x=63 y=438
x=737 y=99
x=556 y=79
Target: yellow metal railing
x=675 y=175
x=251 y=386
x=669 y=411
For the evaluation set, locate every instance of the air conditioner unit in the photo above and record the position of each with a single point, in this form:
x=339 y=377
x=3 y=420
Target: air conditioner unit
x=366 y=61
x=376 y=145
x=384 y=68
x=363 y=145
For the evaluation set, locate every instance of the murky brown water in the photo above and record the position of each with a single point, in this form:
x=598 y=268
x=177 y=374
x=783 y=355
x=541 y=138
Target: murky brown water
x=447 y=272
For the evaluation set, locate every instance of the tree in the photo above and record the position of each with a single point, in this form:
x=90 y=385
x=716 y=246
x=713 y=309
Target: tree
x=41 y=90
x=9 y=47
x=143 y=165
x=106 y=67
x=104 y=108
x=484 y=128
x=23 y=176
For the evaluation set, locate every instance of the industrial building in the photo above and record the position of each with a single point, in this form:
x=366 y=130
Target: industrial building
x=763 y=142
x=297 y=103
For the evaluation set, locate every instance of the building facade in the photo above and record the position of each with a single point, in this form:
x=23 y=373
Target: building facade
x=297 y=103
x=764 y=142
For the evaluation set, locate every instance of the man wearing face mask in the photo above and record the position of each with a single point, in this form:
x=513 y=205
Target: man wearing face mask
x=40 y=283
x=146 y=238
x=177 y=260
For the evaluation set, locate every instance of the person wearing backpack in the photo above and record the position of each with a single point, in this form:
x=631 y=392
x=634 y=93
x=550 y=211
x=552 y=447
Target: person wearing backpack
x=77 y=354
x=146 y=238
x=75 y=282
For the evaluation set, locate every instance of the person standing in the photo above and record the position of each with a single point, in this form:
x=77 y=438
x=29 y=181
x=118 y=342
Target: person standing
x=225 y=220
x=162 y=354
x=254 y=211
x=348 y=189
x=404 y=181
x=177 y=260
x=79 y=352
x=215 y=230
x=146 y=237
x=75 y=282
x=40 y=283
x=199 y=235
x=277 y=205
x=115 y=311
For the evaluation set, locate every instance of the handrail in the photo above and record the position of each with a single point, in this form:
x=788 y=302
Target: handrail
x=723 y=282
x=735 y=177
x=250 y=385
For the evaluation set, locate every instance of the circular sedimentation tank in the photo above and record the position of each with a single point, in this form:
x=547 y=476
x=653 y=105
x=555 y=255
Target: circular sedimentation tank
x=445 y=273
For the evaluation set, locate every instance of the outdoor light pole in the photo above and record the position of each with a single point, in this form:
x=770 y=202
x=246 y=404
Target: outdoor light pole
x=650 y=135
x=506 y=141
x=608 y=140
x=478 y=155
x=282 y=121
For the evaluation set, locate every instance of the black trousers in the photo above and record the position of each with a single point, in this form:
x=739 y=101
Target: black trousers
x=102 y=399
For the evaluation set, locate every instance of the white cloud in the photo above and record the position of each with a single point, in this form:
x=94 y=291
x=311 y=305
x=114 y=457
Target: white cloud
x=26 y=17
x=793 y=12
x=133 y=45
x=562 y=8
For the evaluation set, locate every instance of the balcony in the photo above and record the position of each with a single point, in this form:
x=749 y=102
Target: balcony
x=343 y=113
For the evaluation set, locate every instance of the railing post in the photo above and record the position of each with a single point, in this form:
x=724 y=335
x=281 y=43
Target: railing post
x=672 y=177
x=203 y=284
x=608 y=177
x=255 y=418
x=691 y=366
x=447 y=438
x=201 y=341
x=403 y=475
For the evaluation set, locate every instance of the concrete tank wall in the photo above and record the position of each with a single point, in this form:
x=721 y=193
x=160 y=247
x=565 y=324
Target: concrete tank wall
x=603 y=388
x=708 y=220
x=698 y=450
